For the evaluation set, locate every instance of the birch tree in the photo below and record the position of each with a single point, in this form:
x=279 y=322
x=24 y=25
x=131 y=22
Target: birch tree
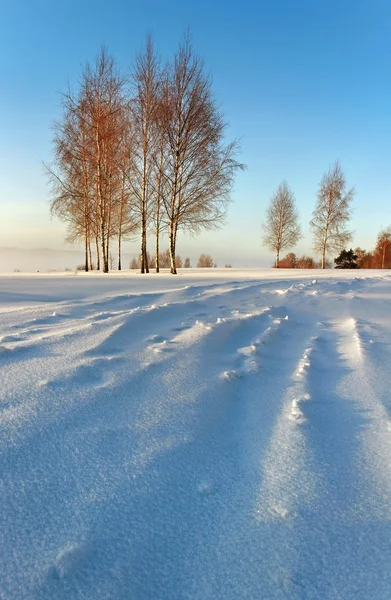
x=332 y=213
x=103 y=90
x=281 y=229
x=200 y=168
x=382 y=253
x=70 y=176
x=89 y=191
x=144 y=105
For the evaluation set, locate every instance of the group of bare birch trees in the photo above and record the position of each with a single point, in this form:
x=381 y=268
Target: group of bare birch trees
x=282 y=229
x=140 y=154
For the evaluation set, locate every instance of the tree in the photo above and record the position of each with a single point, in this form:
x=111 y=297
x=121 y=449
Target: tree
x=165 y=260
x=382 y=254
x=136 y=261
x=365 y=259
x=332 y=213
x=200 y=167
x=346 y=260
x=306 y=262
x=89 y=190
x=205 y=261
x=187 y=264
x=289 y=262
x=281 y=229
x=70 y=175
x=144 y=106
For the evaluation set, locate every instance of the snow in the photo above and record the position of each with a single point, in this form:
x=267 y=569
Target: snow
x=216 y=435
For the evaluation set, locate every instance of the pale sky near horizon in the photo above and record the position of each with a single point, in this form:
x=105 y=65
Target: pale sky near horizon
x=302 y=84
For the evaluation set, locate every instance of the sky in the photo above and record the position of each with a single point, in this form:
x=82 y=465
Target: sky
x=301 y=84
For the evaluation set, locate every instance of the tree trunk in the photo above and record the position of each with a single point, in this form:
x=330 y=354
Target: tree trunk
x=86 y=253
x=277 y=259
x=157 y=250
x=146 y=255
x=158 y=208
x=325 y=236
x=143 y=253
x=90 y=252
x=97 y=253
x=119 y=250
x=105 y=260
x=172 y=248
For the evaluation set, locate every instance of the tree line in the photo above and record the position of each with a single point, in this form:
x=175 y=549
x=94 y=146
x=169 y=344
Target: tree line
x=141 y=154
x=281 y=229
x=204 y=261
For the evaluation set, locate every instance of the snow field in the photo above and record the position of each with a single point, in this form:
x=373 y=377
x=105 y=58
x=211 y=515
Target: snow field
x=203 y=437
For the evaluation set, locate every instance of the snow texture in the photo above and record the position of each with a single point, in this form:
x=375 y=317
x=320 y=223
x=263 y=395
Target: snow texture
x=215 y=435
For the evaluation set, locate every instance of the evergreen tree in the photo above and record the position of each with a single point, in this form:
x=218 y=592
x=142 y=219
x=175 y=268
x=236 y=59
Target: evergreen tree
x=346 y=260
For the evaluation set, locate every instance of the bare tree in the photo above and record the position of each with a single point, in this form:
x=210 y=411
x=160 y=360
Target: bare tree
x=281 y=229
x=155 y=160
x=126 y=218
x=205 y=261
x=289 y=261
x=332 y=213
x=89 y=191
x=382 y=253
x=200 y=168
x=70 y=175
x=144 y=105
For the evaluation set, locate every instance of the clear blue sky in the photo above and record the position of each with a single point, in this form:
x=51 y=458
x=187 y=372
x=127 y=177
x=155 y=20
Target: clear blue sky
x=302 y=83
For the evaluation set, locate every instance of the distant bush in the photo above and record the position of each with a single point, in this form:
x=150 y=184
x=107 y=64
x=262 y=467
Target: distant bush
x=291 y=261
x=228 y=266
x=134 y=263
x=205 y=261
x=165 y=260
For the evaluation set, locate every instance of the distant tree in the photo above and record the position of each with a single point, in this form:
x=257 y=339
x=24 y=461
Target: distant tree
x=360 y=253
x=281 y=229
x=332 y=213
x=364 y=258
x=368 y=261
x=205 y=261
x=165 y=260
x=346 y=260
x=187 y=264
x=289 y=261
x=382 y=254
x=228 y=266
x=306 y=262
x=135 y=263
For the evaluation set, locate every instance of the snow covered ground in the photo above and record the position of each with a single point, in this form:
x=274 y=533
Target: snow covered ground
x=221 y=435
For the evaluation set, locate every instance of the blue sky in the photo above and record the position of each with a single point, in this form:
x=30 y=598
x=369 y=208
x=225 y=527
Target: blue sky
x=302 y=83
